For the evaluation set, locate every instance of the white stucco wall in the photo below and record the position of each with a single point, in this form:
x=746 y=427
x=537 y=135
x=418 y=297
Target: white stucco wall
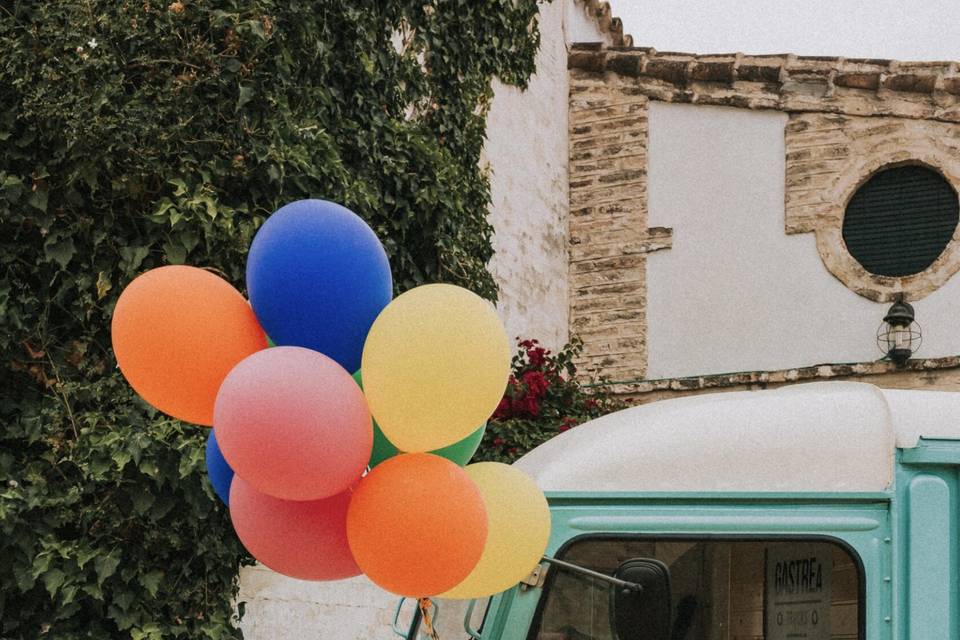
x=735 y=293
x=278 y=607
x=526 y=150
x=281 y=607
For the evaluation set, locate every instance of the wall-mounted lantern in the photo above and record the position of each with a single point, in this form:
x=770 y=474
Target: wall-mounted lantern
x=899 y=336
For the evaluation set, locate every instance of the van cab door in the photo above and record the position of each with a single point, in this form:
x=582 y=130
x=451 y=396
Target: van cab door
x=771 y=567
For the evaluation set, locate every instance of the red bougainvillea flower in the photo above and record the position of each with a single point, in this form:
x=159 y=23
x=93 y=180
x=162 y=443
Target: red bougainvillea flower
x=503 y=409
x=537 y=356
x=536 y=383
x=528 y=403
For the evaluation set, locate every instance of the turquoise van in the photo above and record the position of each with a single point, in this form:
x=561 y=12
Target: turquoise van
x=824 y=511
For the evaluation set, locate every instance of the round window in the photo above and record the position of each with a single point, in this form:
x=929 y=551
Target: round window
x=900 y=221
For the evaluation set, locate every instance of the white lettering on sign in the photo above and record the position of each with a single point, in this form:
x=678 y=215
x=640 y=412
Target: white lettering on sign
x=798 y=589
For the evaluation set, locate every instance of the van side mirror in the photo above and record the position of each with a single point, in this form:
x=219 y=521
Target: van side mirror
x=642 y=614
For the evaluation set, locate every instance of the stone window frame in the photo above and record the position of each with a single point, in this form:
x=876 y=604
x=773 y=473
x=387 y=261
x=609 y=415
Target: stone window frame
x=817 y=195
x=841 y=263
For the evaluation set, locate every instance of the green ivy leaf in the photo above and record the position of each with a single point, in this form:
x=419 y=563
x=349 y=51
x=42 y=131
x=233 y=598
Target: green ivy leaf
x=151 y=582
x=121 y=457
x=61 y=251
x=133 y=257
x=53 y=580
x=149 y=468
x=86 y=555
x=150 y=631
x=174 y=253
x=142 y=501
x=11 y=187
x=41 y=563
x=38 y=199
x=106 y=565
x=181 y=189
x=189 y=240
x=246 y=95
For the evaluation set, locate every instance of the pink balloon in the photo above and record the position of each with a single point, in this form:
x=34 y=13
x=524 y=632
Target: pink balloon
x=301 y=539
x=294 y=424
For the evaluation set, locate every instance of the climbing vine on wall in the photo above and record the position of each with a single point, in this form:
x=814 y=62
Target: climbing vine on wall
x=140 y=133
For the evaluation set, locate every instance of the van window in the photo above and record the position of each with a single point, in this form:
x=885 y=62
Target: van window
x=720 y=589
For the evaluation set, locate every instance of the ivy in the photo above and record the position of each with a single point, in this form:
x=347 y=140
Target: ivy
x=137 y=134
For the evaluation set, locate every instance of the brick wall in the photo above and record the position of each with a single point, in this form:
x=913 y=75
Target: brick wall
x=608 y=234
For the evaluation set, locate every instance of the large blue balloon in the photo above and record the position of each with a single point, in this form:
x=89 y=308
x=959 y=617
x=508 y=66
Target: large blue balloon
x=220 y=473
x=318 y=277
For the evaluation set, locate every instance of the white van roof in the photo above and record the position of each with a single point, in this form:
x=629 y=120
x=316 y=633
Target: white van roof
x=825 y=436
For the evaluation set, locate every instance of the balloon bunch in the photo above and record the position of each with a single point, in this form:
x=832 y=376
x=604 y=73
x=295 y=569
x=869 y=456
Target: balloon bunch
x=328 y=473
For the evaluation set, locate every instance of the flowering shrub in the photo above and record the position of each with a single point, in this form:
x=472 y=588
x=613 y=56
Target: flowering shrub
x=543 y=398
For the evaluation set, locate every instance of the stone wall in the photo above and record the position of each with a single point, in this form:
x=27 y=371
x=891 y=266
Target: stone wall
x=609 y=238
x=845 y=118
x=828 y=157
x=933 y=374
x=796 y=84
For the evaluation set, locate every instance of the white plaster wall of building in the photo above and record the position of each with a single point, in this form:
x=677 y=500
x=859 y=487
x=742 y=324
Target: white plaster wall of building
x=526 y=151
x=280 y=607
x=735 y=293
x=355 y=609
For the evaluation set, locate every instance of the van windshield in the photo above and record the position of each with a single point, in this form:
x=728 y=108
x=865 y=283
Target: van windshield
x=719 y=589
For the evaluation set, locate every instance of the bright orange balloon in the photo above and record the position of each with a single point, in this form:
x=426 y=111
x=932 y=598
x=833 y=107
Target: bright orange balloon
x=300 y=539
x=417 y=524
x=177 y=331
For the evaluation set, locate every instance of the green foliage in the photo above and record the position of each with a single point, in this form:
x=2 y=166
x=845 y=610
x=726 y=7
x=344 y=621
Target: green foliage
x=543 y=398
x=137 y=134
x=109 y=526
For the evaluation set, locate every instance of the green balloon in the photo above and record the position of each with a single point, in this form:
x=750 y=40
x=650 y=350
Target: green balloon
x=459 y=452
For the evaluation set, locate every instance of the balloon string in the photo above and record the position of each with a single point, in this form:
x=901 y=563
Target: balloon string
x=424 y=604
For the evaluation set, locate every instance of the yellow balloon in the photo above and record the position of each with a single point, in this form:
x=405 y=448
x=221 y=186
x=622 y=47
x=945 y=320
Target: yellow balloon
x=518 y=526
x=435 y=365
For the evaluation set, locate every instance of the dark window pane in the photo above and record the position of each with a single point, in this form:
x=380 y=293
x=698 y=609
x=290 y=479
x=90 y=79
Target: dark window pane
x=720 y=589
x=900 y=221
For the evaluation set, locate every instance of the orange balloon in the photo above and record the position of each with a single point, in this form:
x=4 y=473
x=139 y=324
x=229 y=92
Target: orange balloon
x=177 y=331
x=300 y=539
x=417 y=524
